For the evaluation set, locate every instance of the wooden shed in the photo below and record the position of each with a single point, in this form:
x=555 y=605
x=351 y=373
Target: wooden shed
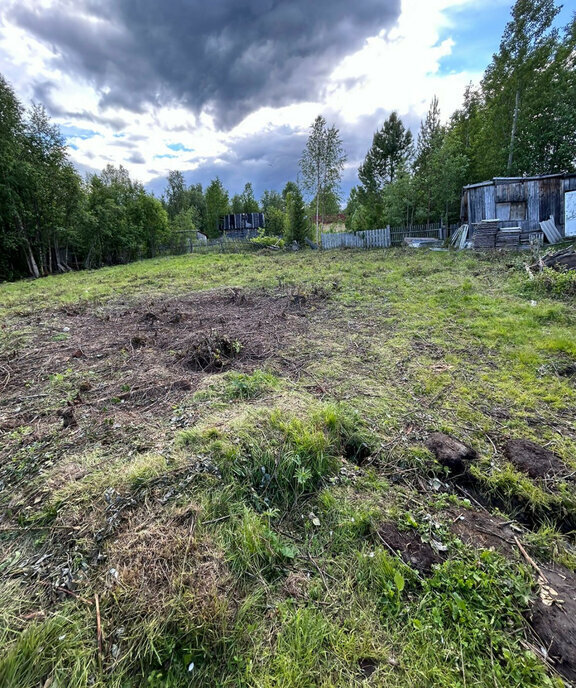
x=523 y=202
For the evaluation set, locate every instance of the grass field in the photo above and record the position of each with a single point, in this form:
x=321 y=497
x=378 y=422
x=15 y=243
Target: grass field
x=216 y=471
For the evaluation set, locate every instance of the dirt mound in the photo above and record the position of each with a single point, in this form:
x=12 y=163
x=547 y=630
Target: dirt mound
x=533 y=459
x=555 y=622
x=408 y=544
x=212 y=352
x=450 y=452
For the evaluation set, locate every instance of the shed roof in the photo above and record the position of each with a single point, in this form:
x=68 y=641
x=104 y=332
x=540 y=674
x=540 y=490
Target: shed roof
x=515 y=180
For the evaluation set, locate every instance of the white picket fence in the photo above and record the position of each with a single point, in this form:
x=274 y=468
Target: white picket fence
x=371 y=238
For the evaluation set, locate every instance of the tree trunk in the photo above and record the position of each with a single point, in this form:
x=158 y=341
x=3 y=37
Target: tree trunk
x=32 y=266
x=30 y=260
x=513 y=133
x=317 y=216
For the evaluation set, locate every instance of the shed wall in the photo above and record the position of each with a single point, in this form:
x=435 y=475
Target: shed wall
x=519 y=203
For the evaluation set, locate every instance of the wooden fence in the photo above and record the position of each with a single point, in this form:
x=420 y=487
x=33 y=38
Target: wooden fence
x=434 y=230
x=372 y=238
x=187 y=242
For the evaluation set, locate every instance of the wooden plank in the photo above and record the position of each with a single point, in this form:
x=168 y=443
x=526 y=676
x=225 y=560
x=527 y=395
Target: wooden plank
x=489 y=203
x=503 y=211
x=533 y=206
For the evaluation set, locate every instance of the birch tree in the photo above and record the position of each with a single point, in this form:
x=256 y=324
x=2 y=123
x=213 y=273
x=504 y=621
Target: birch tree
x=322 y=163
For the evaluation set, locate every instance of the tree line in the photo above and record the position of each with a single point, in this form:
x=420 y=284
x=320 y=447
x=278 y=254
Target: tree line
x=520 y=120
x=52 y=220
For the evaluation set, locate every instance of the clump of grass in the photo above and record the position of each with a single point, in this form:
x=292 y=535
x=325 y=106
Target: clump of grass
x=244 y=386
x=309 y=650
x=556 y=283
x=277 y=457
x=347 y=520
x=253 y=547
x=548 y=544
x=530 y=502
x=56 y=652
x=234 y=386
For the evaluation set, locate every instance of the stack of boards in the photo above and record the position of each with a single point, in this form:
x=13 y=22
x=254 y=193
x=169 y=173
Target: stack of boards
x=488 y=234
x=484 y=234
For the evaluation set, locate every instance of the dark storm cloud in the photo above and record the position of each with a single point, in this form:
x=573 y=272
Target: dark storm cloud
x=227 y=56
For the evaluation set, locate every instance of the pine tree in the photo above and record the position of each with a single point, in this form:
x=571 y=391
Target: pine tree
x=297 y=225
x=249 y=203
x=430 y=140
x=391 y=149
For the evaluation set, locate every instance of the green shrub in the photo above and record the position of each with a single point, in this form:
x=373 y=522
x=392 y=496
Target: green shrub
x=268 y=242
x=551 y=282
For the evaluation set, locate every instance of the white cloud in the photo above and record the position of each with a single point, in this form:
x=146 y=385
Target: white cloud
x=400 y=70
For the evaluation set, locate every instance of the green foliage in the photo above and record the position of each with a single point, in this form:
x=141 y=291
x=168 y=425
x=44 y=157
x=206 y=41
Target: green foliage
x=243 y=386
x=56 y=648
x=288 y=456
x=253 y=547
x=217 y=205
x=557 y=283
x=390 y=152
x=271 y=200
x=321 y=164
x=268 y=241
x=275 y=222
x=297 y=226
x=531 y=59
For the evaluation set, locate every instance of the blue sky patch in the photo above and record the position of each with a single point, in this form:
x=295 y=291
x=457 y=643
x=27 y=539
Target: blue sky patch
x=166 y=155
x=179 y=147
x=70 y=131
x=477 y=30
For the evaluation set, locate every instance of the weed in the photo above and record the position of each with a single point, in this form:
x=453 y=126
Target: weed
x=557 y=283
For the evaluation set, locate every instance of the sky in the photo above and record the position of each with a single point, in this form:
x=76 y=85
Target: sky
x=229 y=88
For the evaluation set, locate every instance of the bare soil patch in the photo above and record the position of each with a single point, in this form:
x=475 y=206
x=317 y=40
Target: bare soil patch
x=116 y=376
x=554 y=623
x=484 y=530
x=450 y=452
x=534 y=460
x=409 y=545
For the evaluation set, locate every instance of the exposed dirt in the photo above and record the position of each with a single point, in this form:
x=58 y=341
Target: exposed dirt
x=484 y=530
x=87 y=377
x=450 y=452
x=534 y=460
x=555 y=624
x=367 y=666
x=409 y=545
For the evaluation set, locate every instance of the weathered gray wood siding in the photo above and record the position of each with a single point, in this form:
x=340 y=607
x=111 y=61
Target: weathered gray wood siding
x=552 y=199
x=570 y=183
x=518 y=202
x=533 y=205
x=371 y=238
